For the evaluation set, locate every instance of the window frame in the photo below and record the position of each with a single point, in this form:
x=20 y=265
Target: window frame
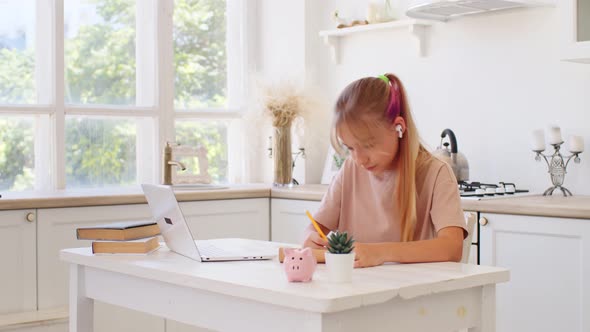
x=154 y=108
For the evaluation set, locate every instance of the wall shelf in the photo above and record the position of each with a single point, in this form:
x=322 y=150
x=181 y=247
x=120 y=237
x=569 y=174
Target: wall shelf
x=416 y=27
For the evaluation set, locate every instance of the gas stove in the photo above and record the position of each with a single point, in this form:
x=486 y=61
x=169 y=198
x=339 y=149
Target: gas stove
x=479 y=190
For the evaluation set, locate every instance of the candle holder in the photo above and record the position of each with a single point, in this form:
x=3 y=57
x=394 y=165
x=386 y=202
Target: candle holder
x=557 y=165
x=300 y=153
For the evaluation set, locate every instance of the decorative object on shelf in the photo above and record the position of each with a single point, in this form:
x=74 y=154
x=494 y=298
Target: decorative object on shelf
x=283 y=102
x=299 y=264
x=380 y=12
x=344 y=22
x=338 y=19
x=340 y=257
x=556 y=162
x=332 y=166
x=392 y=10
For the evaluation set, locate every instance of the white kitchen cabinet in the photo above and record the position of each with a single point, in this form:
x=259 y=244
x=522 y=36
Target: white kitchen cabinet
x=56 y=231
x=288 y=219
x=245 y=218
x=575 y=16
x=18 y=250
x=242 y=218
x=549 y=262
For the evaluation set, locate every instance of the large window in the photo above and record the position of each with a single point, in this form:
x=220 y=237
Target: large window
x=99 y=52
x=200 y=56
x=17 y=52
x=18 y=87
x=100 y=151
x=90 y=90
x=16 y=153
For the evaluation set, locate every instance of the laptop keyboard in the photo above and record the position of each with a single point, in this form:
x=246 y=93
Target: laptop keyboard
x=208 y=250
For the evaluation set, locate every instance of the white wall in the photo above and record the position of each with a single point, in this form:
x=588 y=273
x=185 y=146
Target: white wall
x=287 y=50
x=491 y=78
x=280 y=54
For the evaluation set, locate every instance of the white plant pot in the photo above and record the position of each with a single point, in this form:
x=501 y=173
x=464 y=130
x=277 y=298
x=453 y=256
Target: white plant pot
x=339 y=266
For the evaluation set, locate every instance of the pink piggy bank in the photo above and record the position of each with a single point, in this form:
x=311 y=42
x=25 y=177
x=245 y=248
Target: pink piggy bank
x=299 y=264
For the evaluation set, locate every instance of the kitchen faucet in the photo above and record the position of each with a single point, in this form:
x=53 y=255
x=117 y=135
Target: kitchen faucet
x=168 y=163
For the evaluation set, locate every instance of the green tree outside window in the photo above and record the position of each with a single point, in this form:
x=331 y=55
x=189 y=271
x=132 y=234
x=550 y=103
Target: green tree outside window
x=100 y=69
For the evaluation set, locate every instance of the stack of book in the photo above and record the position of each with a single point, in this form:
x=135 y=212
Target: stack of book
x=138 y=237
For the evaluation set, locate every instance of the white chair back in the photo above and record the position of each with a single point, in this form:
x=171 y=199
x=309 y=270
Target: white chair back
x=470 y=219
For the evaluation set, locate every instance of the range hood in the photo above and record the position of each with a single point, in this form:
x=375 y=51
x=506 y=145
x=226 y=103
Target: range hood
x=443 y=10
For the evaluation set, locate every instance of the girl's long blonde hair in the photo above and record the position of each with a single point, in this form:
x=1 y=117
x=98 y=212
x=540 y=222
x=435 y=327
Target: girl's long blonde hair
x=369 y=99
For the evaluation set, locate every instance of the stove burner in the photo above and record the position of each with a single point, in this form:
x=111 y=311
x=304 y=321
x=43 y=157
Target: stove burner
x=479 y=189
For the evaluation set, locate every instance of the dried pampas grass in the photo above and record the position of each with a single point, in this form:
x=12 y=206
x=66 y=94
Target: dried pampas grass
x=283 y=102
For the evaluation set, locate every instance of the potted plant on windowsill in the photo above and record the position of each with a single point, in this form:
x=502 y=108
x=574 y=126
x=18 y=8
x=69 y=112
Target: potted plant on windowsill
x=340 y=257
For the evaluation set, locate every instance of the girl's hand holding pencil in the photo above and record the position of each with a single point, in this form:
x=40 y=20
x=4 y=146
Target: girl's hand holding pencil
x=315 y=239
x=316 y=225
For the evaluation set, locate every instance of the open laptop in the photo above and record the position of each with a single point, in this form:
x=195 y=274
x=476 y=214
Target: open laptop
x=178 y=237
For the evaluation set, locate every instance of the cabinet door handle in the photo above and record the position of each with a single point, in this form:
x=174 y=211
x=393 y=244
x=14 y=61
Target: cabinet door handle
x=483 y=221
x=30 y=217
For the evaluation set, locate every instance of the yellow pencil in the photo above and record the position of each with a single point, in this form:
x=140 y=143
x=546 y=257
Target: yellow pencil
x=316 y=226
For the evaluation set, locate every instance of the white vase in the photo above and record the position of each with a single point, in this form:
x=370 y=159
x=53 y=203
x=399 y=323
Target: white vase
x=339 y=266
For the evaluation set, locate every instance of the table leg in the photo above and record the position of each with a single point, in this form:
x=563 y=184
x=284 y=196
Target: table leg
x=488 y=310
x=81 y=307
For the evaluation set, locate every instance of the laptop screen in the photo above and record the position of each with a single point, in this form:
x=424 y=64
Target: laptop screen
x=173 y=226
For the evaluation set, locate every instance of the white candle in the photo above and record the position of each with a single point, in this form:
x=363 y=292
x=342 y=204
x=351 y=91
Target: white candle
x=576 y=144
x=555 y=135
x=538 y=143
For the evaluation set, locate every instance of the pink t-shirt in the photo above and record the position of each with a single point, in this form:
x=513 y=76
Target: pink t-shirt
x=363 y=204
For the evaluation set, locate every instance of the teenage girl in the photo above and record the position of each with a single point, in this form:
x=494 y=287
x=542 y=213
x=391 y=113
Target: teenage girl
x=399 y=202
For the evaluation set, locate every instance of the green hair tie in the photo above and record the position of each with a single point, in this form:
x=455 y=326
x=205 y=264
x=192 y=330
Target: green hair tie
x=384 y=78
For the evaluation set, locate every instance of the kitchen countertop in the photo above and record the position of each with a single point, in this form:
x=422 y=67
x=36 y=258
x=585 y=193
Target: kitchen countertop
x=534 y=205
x=134 y=195
x=308 y=192
x=120 y=196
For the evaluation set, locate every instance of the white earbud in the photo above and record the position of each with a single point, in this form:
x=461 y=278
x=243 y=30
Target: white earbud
x=400 y=132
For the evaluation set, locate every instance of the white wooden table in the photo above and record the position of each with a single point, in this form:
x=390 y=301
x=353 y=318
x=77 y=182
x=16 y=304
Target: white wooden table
x=255 y=296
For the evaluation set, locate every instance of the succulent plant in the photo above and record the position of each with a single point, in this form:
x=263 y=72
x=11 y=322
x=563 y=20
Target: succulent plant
x=340 y=243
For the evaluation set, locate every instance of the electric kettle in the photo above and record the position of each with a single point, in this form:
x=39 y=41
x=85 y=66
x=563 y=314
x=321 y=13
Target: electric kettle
x=453 y=157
